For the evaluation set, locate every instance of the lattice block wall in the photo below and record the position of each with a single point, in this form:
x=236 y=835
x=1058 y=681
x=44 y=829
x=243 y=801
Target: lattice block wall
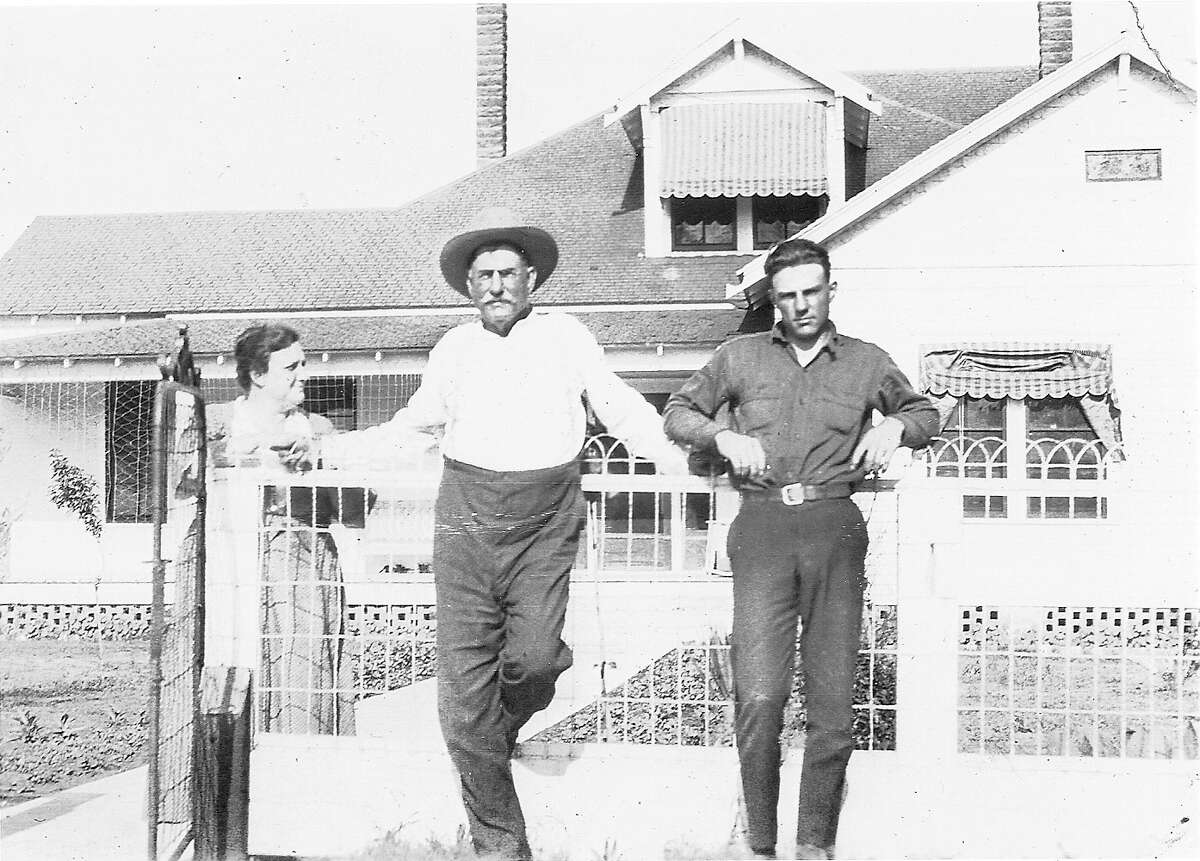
x=390 y=646
x=1080 y=681
x=74 y=621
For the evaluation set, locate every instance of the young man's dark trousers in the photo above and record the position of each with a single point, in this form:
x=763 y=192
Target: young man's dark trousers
x=504 y=544
x=801 y=562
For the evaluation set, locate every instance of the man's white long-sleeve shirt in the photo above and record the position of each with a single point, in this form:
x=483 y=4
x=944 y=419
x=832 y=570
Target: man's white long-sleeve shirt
x=514 y=402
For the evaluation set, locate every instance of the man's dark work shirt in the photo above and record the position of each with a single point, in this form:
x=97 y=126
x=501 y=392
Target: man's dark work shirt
x=808 y=419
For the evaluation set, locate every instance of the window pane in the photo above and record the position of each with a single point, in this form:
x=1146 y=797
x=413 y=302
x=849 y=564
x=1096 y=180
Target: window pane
x=767 y=233
x=129 y=412
x=689 y=234
x=1057 y=414
x=703 y=223
x=777 y=218
x=718 y=233
x=1085 y=506
x=973 y=506
x=982 y=414
x=1058 y=506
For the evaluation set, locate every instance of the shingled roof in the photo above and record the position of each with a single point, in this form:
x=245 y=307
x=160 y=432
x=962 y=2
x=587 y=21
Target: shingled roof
x=583 y=184
x=148 y=338
x=924 y=106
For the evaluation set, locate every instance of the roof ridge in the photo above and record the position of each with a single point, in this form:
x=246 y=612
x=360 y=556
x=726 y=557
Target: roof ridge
x=937 y=118
x=925 y=69
x=522 y=153
x=317 y=210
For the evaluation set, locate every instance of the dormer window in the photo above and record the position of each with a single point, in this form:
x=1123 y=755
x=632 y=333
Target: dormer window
x=704 y=224
x=777 y=218
x=742 y=147
x=739 y=224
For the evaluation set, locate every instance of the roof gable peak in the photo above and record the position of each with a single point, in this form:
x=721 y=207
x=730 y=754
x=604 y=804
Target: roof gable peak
x=736 y=35
x=964 y=140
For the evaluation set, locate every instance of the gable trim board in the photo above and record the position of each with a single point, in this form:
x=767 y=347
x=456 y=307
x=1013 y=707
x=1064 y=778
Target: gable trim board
x=751 y=277
x=837 y=82
x=658 y=329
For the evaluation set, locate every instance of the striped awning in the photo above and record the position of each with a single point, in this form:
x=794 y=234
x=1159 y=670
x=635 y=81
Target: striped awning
x=1017 y=370
x=727 y=150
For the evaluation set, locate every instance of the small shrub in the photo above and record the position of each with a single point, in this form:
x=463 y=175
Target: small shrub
x=72 y=489
x=28 y=729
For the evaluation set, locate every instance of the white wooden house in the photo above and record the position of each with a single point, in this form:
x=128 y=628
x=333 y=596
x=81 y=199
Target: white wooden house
x=646 y=254
x=1021 y=241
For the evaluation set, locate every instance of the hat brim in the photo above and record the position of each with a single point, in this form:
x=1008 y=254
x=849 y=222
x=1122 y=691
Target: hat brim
x=538 y=245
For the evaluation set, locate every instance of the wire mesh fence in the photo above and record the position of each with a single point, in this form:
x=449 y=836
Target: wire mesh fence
x=177 y=627
x=333 y=555
x=685 y=697
x=106 y=427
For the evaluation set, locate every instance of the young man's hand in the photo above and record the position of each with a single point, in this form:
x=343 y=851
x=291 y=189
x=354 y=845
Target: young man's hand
x=874 y=451
x=744 y=453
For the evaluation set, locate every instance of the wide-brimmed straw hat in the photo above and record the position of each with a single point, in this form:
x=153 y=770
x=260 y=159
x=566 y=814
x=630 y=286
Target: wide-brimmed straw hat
x=498 y=224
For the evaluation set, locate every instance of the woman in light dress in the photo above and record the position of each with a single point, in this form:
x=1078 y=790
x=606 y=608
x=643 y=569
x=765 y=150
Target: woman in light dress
x=304 y=683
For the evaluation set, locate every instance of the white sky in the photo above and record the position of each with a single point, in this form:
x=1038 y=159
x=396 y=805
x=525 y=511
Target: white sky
x=144 y=108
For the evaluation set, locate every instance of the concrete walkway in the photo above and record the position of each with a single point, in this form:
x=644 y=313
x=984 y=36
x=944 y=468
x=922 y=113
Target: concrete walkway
x=657 y=801
x=104 y=820
x=339 y=796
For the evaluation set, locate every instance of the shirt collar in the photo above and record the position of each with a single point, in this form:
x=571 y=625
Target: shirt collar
x=519 y=321
x=833 y=343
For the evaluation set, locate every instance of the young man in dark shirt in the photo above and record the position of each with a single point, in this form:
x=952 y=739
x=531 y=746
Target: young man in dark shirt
x=801 y=398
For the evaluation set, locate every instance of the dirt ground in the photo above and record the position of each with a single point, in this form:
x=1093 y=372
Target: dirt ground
x=102 y=691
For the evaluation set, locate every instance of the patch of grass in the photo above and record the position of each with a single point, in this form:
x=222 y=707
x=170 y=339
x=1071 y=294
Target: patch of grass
x=72 y=711
x=395 y=846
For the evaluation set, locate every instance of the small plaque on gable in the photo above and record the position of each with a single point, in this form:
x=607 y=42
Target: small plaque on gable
x=1122 y=165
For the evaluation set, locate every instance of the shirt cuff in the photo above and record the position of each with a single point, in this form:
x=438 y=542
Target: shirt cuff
x=913 y=435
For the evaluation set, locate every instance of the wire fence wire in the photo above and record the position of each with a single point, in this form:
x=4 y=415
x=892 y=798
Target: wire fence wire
x=177 y=627
x=334 y=554
x=106 y=428
x=685 y=697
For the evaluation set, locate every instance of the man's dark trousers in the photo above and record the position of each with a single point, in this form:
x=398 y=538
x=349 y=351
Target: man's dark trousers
x=504 y=544
x=801 y=562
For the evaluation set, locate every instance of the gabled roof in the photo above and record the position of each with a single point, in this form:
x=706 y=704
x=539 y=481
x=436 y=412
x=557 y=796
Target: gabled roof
x=149 y=338
x=583 y=185
x=839 y=83
x=956 y=145
x=923 y=106
x=274 y=262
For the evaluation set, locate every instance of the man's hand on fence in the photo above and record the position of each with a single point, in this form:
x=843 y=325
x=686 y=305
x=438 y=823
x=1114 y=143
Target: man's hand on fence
x=874 y=451
x=744 y=453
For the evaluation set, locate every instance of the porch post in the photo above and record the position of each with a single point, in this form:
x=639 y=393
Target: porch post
x=927 y=670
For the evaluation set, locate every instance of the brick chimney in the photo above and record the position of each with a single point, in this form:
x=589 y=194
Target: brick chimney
x=491 y=82
x=1054 y=36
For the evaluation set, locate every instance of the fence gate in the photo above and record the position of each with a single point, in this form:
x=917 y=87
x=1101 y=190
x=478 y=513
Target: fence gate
x=177 y=632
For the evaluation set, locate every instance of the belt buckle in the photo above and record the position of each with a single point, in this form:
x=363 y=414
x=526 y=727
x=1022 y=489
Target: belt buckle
x=786 y=492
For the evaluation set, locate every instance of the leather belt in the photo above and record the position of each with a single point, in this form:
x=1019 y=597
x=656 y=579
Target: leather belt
x=798 y=494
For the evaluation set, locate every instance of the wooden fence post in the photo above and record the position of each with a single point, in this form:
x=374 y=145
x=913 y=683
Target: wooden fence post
x=223 y=765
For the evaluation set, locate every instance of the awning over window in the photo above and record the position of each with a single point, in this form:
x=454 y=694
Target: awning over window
x=727 y=150
x=1017 y=370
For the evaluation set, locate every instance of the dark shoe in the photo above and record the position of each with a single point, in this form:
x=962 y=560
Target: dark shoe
x=762 y=853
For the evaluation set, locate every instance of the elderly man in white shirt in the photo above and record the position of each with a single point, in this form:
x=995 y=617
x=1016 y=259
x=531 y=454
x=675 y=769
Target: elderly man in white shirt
x=506 y=391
